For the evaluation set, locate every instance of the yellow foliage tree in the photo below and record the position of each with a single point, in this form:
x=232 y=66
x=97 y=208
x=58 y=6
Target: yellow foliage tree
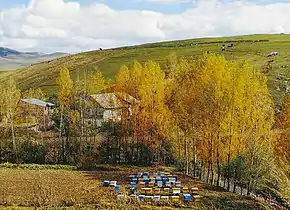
x=96 y=83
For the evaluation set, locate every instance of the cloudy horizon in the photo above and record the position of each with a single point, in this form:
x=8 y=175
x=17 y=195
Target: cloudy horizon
x=74 y=26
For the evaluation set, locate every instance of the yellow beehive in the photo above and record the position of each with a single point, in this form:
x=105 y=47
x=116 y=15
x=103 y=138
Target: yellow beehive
x=143 y=190
x=194 y=190
x=148 y=190
x=175 y=198
x=157 y=191
x=185 y=190
x=164 y=198
x=142 y=184
x=166 y=191
x=148 y=198
x=196 y=198
x=151 y=184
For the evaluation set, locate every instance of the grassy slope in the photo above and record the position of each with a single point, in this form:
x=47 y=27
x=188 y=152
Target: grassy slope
x=109 y=61
x=26 y=188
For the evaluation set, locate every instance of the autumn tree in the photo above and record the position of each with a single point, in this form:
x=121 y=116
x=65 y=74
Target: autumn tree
x=96 y=83
x=222 y=105
x=65 y=99
x=9 y=99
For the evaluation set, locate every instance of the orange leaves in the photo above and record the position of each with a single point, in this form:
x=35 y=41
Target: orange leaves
x=283 y=120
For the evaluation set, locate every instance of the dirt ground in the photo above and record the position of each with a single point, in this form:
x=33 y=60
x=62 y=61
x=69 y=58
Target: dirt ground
x=26 y=189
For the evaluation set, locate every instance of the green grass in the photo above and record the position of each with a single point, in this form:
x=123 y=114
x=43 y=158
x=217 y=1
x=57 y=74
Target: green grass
x=44 y=74
x=36 y=166
x=52 y=189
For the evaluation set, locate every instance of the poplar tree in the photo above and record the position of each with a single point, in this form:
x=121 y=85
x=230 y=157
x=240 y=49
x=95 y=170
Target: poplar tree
x=65 y=99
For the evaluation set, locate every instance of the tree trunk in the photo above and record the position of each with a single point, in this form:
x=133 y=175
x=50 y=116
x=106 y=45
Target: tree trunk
x=208 y=172
x=60 y=132
x=187 y=158
x=235 y=186
x=218 y=168
x=194 y=157
x=13 y=136
x=228 y=164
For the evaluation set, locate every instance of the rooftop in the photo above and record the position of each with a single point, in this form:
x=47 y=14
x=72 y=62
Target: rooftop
x=37 y=102
x=114 y=100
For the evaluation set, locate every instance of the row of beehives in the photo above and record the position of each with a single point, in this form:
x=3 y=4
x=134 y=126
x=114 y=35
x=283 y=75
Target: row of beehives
x=164 y=179
x=161 y=186
x=186 y=197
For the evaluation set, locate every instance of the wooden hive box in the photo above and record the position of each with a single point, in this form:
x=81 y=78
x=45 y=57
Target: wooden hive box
x=142 y=184
x=166 y=191
x=151 y=184
x=157 y=191
x=148 y=198
x=143 y=191
x=148 y=191
x=160 y=184
x=156 y=198
x=168 y=184
x=113 y=183
x=194 y=190
x=185 y=190
x=197 y=198
x=106 y=183
x=175 y=198
x=178 y=184
x=176 y=191
x=164 y=198
x=186 y=197
x=142 y=197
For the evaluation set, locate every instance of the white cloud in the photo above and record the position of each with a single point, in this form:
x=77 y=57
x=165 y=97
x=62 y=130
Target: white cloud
x=55 y=25
x=169 y=1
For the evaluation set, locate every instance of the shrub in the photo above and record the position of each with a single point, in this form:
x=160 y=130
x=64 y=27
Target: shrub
x=32 y=152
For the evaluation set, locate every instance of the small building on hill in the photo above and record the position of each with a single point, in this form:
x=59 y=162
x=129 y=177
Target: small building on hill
x=37 y=112
x=109 y=107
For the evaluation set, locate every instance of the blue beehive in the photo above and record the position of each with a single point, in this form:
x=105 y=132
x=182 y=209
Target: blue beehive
x=142 y=197
x=176 y=177
x=164 y=179
x=162 y=173
x=187 y=197
x=178 y=184
x=133 y=184
x=117 y=187
x=155 y=174
x=146 y=174
x=106 y=183
x=135 y=180
x=146 y=180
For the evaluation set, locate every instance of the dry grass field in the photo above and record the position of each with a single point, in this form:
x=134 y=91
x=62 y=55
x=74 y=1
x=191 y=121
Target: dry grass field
x=61 y=189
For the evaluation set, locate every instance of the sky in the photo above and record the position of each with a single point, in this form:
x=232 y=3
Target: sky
x=81 y=25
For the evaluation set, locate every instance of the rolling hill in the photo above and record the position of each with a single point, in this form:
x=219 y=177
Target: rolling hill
x=251 y=48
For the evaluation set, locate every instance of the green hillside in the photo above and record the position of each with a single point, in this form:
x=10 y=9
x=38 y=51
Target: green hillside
x=252 y=48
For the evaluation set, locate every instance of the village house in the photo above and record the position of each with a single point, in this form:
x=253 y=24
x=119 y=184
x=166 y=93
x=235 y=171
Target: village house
x=36 y=113
x=109 y=107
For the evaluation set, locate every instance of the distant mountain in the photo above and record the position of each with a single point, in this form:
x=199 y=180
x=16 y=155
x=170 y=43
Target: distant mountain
x=11 y=59
x=7 y=51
